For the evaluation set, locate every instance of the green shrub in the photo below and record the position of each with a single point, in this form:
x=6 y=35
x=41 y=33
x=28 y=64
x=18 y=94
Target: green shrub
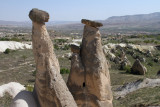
x=118 y=53
x=24 y=57
x=158 y=37
x=15 y=39
x=66 y=47
x=125 y=41
x=64 y=71
x=10 y=39
x=56 y=47
x=29 y=88
x=146 y=41
x=150 y=64
x=60 y=40
x=34 y=73
x=4 y=39
x=7 y=51
x=157 y=54
x=127 y=68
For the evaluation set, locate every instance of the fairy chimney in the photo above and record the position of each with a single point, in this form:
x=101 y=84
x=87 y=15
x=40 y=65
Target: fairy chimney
x=89 y=79
x=50 y=89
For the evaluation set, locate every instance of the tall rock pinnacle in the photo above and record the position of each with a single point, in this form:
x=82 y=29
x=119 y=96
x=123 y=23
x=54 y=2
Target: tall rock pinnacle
x=89 y=79
x=50 y=88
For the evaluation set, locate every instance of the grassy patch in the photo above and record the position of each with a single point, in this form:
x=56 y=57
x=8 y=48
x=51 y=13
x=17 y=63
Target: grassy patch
x=145 y=97
x=5 y=101
x=13 y=67
x=19 y=66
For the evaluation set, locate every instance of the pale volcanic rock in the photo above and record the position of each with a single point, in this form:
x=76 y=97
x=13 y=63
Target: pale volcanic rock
x=141 y=48
x=89 y=79
x=13 y=45
x=12 y=88
x=109 y=54
x=127 y=88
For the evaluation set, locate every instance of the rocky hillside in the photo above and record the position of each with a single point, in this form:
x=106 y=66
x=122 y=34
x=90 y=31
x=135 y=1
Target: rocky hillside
x=141 y=22
x=132 y=19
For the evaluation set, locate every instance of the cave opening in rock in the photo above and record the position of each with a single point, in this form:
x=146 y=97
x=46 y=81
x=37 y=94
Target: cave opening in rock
x=84 y=84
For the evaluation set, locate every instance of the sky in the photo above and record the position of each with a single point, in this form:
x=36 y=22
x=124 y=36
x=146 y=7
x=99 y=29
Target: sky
x=75 y=10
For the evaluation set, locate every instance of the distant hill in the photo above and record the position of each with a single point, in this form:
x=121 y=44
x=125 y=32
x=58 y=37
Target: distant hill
x=136 y=23
x=141 y=18
x=129 y=24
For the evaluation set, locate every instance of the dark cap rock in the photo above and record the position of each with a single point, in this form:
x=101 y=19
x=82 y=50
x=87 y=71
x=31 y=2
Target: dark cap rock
x=38 y=16
x=75 y=48
x=91 y=23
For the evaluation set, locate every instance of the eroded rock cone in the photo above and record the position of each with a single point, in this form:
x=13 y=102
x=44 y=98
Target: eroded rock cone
x=138 y=68
x=89 y=79
x=50 y=88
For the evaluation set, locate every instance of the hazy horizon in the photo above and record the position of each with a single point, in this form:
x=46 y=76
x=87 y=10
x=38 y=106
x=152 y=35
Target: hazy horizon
x=17 y=10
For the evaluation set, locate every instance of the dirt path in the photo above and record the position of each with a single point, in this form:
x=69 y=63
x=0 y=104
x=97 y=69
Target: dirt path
x=19 y=66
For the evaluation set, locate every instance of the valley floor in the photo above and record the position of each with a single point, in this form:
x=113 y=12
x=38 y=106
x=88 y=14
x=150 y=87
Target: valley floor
x=19 y=66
